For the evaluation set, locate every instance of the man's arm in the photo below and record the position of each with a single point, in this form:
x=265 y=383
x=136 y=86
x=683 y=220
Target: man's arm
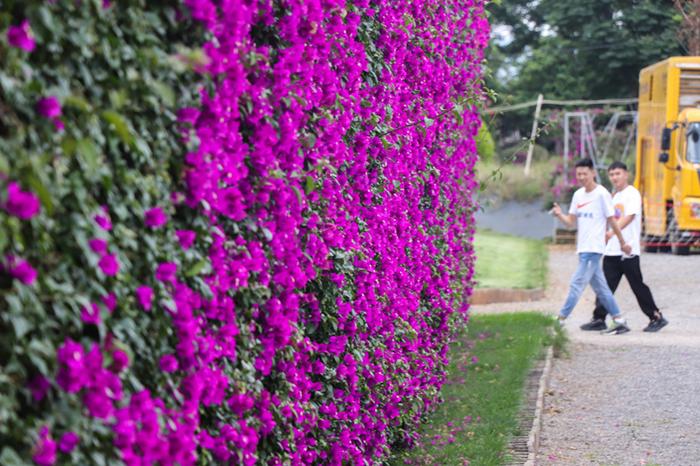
x=626 y=248
x=622 y=223
x=568 y=219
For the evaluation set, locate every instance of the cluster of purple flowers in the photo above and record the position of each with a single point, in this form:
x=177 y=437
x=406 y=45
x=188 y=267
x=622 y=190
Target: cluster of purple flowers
x=347 y=169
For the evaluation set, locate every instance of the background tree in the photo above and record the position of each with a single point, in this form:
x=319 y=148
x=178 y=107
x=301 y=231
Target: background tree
x=689 y=32
x=587 y=49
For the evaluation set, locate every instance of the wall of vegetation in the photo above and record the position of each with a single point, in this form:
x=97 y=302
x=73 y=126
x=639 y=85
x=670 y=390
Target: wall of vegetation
x=231 y=232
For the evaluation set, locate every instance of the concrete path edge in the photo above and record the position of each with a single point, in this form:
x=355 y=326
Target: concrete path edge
x=533 y=442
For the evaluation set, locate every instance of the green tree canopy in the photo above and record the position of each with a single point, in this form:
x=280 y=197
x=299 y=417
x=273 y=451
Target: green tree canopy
x=585 y=49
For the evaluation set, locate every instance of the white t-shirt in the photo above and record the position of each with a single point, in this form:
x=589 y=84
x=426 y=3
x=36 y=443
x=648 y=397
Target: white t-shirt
x=627 y=202
x=592 y=210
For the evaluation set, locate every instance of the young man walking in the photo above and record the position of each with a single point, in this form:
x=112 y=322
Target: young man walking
x=628 y=212
x=591 y=211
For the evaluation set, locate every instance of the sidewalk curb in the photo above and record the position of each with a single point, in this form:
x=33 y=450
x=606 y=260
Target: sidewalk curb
x=533 y=441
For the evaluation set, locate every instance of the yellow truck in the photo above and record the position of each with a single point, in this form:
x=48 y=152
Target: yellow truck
x=668 y=154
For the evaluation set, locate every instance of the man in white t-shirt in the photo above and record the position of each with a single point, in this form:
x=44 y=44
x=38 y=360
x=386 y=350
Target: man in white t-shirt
x=628 y=211
x=591 y=211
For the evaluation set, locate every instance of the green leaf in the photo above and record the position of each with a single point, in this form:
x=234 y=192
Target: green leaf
x=165 y=92
x=89 y=156
x=197 y=268
x=21 y=325
x=78 y=103
x=41 y=191
x=309 y=185
x=9 y=457
x=119 y=125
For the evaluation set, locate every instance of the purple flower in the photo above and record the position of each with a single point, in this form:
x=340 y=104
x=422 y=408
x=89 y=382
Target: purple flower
x=39 y=385
x=109 y=265
x=98 y=245
x=110 y=301
x=103 y=220
x=144 y=295
x=73 y=373
x=44 y=452
x=49 y=107
x=186 y=238
x=188 y=115
x=21 y=37
x=98 y=403
x=121 y=360
x=68 y=442
x=22 y=204
x=155 y=218
x=168 y=363
x=166 y=272
x=21 y=270
x=91 y=314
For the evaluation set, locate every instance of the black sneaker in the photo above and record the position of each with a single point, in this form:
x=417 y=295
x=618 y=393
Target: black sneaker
x=595 y=324
x=619 y=329
x=656 y=325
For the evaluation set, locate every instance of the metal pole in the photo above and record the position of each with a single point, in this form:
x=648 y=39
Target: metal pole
x=533 y=134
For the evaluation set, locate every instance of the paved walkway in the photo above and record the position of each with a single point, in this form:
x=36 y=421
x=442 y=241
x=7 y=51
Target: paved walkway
x=630 y=399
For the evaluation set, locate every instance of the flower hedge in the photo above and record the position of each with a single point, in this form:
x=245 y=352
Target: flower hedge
x=231 y=232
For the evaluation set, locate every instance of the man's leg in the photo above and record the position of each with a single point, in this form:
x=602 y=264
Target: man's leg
x=612 y=269
x=602 y=291
x=579 y=280
x=641 y=291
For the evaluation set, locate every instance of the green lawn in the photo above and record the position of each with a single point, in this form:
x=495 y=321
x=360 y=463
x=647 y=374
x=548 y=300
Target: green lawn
x=483 y=394
x=504 y=261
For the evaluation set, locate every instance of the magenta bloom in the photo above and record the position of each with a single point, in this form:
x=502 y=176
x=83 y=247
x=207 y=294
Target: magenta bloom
x=168 y=363
x=110 y=301
x=109 y=265
x=21 y=270
x=21 y=37
x=39 y=385
x=44 y=453
x=121 y=360
x=144 y=295
x=155 y=217
x=49 y=107
x=188 y=115
x=103 y=219
x=68 y=442
x=98 y=245
x=91 y=314
x=22 y=204
x=166 y=272
x=186 y=238
x=73 y=373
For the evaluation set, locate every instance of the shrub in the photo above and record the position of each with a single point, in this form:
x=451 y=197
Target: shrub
x=485 y=146
x=231 y=232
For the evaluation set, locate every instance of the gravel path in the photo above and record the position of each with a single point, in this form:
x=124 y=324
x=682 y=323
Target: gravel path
x=631 y=399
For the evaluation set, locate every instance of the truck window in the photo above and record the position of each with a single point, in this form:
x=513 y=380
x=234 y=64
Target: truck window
x=693 y=143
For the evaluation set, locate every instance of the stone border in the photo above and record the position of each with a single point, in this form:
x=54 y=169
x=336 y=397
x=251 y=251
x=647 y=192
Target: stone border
x=505 y=295
x=522 y=449
x=533 y=441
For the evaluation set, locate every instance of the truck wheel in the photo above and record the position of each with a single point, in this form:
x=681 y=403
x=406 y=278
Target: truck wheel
x=675 y=237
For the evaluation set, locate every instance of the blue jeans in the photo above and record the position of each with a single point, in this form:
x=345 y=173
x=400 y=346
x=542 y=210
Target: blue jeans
x=589 y=271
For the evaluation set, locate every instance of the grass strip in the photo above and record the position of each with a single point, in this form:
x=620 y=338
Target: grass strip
x=486 y=378
x=505 y=261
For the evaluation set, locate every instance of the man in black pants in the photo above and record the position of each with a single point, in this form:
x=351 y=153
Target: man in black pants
x=628 y=211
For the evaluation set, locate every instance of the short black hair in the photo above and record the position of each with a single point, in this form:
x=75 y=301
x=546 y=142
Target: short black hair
x=588 y=163
x=617 y=164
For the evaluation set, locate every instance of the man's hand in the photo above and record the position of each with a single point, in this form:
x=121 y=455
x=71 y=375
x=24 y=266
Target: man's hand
x=609 y=234
x=556 y=210
x=627 y=249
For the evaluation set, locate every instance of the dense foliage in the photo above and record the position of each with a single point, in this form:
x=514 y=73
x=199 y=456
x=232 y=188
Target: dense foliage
x=231 y=232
